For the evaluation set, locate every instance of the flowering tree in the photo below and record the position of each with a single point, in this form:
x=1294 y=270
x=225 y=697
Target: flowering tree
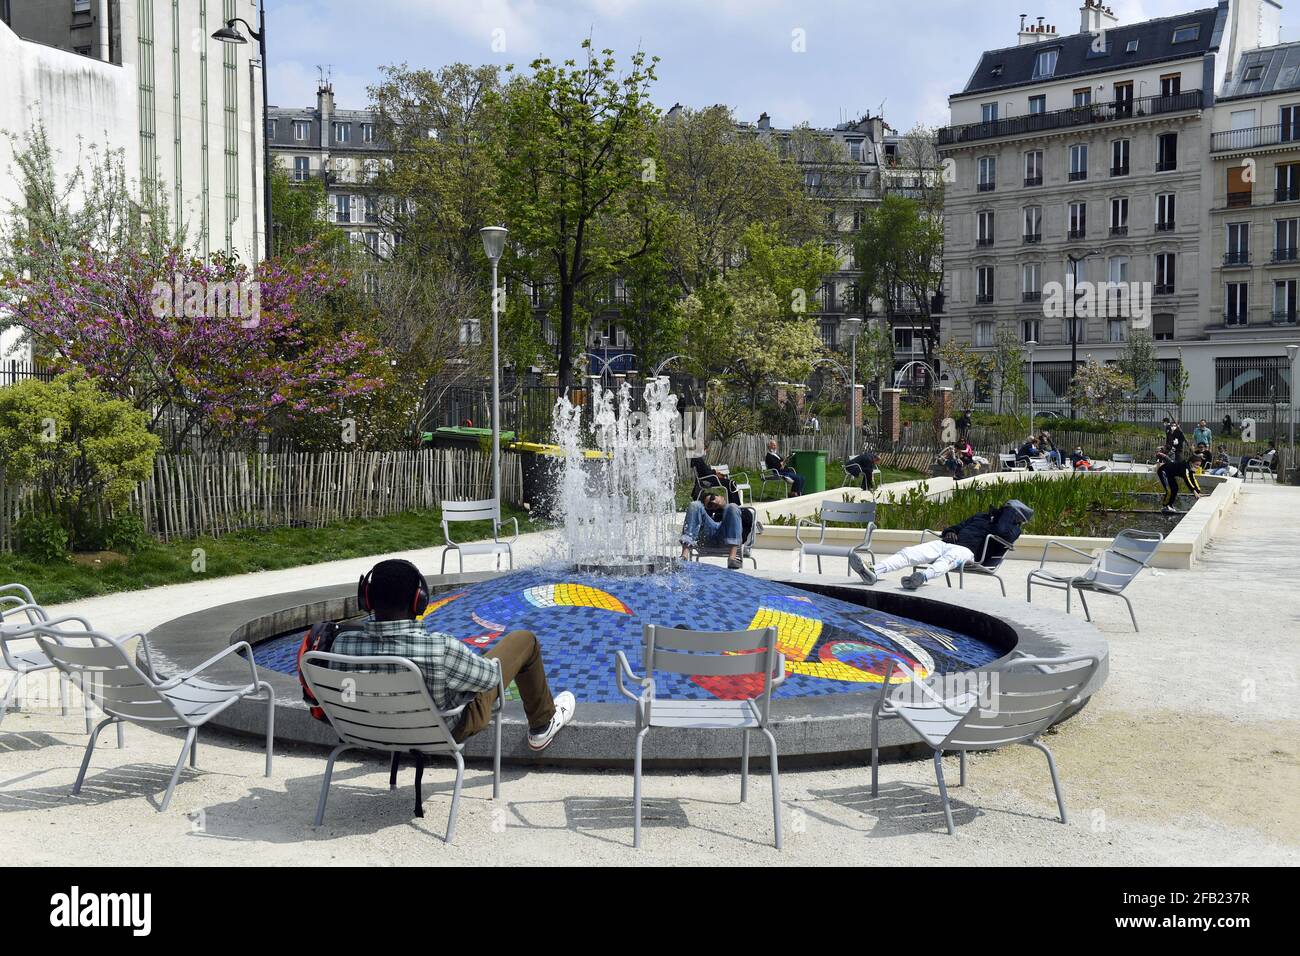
x=214 y=349
x=1099 y=389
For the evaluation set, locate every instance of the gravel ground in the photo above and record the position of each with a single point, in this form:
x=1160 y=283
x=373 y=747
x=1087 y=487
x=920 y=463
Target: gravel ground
x=1188 y=755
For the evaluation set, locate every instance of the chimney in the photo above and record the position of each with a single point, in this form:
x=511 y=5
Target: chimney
x=1252 y=24
x=1094 y=17
x=764 y=121
x=1035 y=32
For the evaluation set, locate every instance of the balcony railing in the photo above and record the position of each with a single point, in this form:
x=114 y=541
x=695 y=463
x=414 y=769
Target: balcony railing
x=1119 y=170
x=1239 y=200
x=1166 y=165
x=1078 y=175
x=1167 y=226
x=1233 y=319
x=984 y=241
x=1164 y=289
x=1286 y=254
x=1119 y=230
x=1284 y=318
x=1031 y=297
x=1286 y=194
x=1073 y=117
x=1033 y=180
x=988 y=187
x=1253 y=137
x=1033 y=237
x=983 y=299
x=1074 y=234
x=1241 y=258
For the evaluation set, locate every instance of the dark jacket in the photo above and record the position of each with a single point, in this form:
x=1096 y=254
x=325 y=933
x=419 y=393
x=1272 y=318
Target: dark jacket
x=972 y=533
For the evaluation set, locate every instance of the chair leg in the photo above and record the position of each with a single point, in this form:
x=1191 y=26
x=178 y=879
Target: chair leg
x=180 y=764
x=11 y=692
x=1130 y=613
x=455 y=795
x=392 y=770
x=943 y=791
x=636 y=789
x=90 y=749
x=1051 y=766
x=819 y=564
x=496 y=756
x=325 y=784
x=1002 y=584
x=63 y=694
x=194 y=750
x=875 y=750
x=961 y=780
x=121 y=735
x=744 y=766
x=270 y=728
x=776 y=785
x=1082 y=600
x=443 y=569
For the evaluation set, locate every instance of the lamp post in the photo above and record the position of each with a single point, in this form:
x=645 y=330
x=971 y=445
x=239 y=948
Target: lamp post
x=853 y=327
x=1031 y=345
x=494 y=243
x=1074 y=317
x=230 y=34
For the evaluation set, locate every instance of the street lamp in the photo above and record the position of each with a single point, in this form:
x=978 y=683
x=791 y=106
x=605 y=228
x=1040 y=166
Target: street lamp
x=852 y=328
x=1031 y=345
x=494 y=243
x=1074 y=317
x=230 y=34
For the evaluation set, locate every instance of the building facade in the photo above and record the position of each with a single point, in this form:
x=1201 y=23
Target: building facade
x=1088 y=157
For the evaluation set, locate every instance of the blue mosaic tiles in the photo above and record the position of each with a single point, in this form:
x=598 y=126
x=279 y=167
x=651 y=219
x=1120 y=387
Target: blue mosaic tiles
x=831 y=646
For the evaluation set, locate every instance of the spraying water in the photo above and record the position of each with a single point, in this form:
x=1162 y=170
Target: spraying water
x=619 y=506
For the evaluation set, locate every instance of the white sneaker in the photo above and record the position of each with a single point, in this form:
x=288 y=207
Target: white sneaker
x=565 y=705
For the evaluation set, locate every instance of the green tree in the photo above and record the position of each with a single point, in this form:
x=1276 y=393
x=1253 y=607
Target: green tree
x=1099 y=390
x=574 y=150
x=81 y=450
x=1138 y=362
x=300 y=211
x=970 y=371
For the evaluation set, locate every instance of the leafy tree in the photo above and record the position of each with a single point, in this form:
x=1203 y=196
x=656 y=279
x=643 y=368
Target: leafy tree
x=971 y=371
x=300 y=211
x=1099 y=390
x=574 y=150
x=81 y=450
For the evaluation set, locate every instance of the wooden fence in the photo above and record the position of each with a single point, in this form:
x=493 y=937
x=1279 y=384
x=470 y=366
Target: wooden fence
x=214 y=494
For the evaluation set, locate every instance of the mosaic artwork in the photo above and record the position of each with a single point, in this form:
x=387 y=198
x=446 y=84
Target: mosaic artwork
x=831 y=646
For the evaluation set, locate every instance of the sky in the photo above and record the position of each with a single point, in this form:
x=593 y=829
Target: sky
x=816 y=61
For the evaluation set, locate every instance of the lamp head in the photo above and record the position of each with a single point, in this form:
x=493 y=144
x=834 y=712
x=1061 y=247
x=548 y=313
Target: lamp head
x=230 y=34
x=494 y=241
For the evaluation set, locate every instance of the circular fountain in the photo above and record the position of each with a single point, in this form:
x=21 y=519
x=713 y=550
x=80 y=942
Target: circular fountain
x=613 y=570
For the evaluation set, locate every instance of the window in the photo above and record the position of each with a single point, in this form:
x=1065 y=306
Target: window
x=372 y=209
x=342 y=208
x=1031 y=330
x=1117 y=269
x=1166 y=272
x=1162 y=328
x=1171 y=84
x=1238 y=246
x=1286 y=239
x=989 y=112
x=1119 y=156
x=1165 y=209
x=1262 y=379
x=301 y=130
x=1124 y=99
x=301 y=168
x=1078 y=162
x=270 y=129
x=1083 y=96
x=1119 y=216
x=1037 y=104
x=988 y=173
x=1045 y=64
x=1240 y=187
x=1284 y=301
x=1132 y=46
x=1186 y=34
x=367 y=132
x=1031 y=282
x=1236 y=303
x=1289 y=120
x=1078 y=328
x=1078 y=220
x=470 y=332
x=984 y=229
x=372 y=242
x=983 y=334
x=1117 y=331
x=1166 y=152
x=1034 y=167
x=1287 y=180
x=983 y=285
x=342 y=132
x=1033 y=224
x=1117 y=296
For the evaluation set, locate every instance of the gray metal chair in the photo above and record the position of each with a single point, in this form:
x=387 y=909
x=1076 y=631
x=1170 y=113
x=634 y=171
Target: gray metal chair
x=1012 y=463
x=982 y=565
x=382 y=703
x=853 y=475
x=713 y=654
x=1110 y=572
x=105 y=672
x=1262 y=466
x=1011 y=705
x=846 y=512
x=1128 y=461
x=740 y=481
x=486 y=510
x=27 y=660
x=770 y=476
x=746 y=552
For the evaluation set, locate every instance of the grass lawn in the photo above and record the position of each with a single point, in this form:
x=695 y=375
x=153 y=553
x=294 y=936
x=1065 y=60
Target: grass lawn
x=242 y=552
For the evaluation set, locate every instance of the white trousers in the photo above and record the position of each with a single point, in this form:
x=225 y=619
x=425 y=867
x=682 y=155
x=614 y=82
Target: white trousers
x=932 y=559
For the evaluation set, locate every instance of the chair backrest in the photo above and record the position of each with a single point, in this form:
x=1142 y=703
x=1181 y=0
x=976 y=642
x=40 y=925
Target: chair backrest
x=1006 y=461
x=485 y=510
x=380 y=703
x=102 y=669
x=715 y=654
x=1039 y=464
x=1121 y=459
x=1130 y=552
x=1020 y=701
x=849 y=512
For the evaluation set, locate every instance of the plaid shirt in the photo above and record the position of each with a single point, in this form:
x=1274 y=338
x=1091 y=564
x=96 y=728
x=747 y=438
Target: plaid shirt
x=452 y=671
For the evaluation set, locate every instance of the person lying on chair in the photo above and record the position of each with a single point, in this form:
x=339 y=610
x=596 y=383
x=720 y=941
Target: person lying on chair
x=396 y=594
x=959 y=544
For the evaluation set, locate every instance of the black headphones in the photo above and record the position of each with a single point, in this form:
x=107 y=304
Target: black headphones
x=419 y=601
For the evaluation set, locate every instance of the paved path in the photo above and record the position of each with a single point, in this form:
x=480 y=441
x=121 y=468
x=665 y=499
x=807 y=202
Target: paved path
x=1189 y=754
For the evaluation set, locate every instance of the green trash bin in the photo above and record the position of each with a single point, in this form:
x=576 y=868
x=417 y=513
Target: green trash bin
x=812 y=466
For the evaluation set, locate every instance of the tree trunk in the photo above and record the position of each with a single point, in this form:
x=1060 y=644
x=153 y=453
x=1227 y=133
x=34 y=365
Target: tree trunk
x=565 y=356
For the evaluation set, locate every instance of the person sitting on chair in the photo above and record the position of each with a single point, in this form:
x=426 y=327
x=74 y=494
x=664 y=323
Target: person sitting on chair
x=1029 y=450
x=1079 y=460
x=866 y=467
x=959 y=545
x=949 y=462
x=395 y=593
x=777 y=464
x=716 y=522
x=707 y=477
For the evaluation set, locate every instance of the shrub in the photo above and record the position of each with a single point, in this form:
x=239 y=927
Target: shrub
x=123 y=532
x=42 y=537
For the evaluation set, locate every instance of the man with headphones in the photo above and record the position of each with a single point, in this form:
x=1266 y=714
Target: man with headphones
x=396 y=594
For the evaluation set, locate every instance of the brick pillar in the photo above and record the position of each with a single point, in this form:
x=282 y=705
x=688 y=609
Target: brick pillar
x=800 y=393
x=890 y=415
x=780 y=394
x=942 y=410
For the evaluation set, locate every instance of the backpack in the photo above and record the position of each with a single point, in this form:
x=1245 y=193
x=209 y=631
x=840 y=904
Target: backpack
x=320 y=637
